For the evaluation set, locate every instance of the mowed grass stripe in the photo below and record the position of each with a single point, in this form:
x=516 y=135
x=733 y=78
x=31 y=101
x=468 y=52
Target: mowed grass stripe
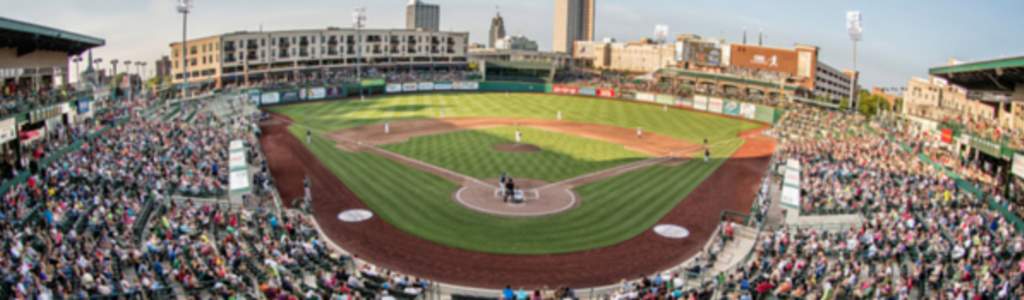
x=613 y=210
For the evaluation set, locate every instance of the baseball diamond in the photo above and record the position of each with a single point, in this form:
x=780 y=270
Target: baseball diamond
x=415 y=177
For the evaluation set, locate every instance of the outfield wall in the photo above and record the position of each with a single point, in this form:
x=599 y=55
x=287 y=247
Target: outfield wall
x=716 y=105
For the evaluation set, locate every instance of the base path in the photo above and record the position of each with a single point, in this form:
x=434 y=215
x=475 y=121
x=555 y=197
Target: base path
x=732 y=187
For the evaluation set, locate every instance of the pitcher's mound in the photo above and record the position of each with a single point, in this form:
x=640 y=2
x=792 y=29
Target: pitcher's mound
x=516 y=148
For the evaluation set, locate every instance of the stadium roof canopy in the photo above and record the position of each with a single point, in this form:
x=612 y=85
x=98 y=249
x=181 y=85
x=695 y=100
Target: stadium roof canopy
x=1003 y=74
x=28 y=37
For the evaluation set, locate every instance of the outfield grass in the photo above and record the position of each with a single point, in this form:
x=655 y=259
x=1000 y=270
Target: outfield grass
x=471 y=152
x=688 y=125
x=613 y=210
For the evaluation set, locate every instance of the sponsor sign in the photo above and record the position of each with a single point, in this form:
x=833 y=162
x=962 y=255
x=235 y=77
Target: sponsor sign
x=790 y=197
x=564 y=89
x=466 y=85
x=290 y=96
x=45 y=113
x=83 y=106
x=715 y=105
x=8 y=130
x=748 y=110
x=425 y=86
x=665 y=99
x=270 y=98
x=303 y=94
x=646 y=97
x=317 y=93
x=683 y=102
x=372 y=82
x=1018 y=165
x=238 y=181
x=947 y=136
x=986 y=146
x=409 y=87
x=606 y=92
x=731 y=108
x=588 y=91
x=442 y=86
x=333 y=91
x=393 y=88
x=237 y=161
x=254 y=96
x=700 y=102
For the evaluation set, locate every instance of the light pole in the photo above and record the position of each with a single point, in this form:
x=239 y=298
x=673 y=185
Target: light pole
x=853 y=27
x=77 y=59
x=113 y=67
x=358 y=21
x=99 y=66
x=184 y=7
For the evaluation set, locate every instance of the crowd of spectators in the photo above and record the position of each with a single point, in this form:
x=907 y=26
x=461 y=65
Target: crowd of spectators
x=121 y=217
x=922 y=236
x=657 y=84
x=990 y=129
x=19 y=98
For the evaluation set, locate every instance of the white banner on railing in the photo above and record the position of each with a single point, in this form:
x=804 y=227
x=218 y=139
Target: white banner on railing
x=648 y=97
x=700 y=102
x=393 y=88
x=409 y=87
x=426 y=86
x=270 y=98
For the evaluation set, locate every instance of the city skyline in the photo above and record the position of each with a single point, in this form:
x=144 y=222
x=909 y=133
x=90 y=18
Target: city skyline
x=901 y=39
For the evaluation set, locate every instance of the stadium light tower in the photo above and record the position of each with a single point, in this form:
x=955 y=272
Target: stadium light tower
x=358 y=21
x=184 y=7
x=853 y=27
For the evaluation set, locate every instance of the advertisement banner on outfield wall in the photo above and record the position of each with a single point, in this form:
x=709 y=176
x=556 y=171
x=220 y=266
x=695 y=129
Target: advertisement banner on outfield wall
x=646 y=97
x=606 y=92
x=564 y=89
x=442 y=86
x=764 y=114
x=425 y=86
x=290 y=96
x=683 y=102
x=731 y=108
x=665 y=99
x=270 y=98
x=747 y=110
x=409 y=87
x=466 y=85
x=254 y=96
x=303 y=94
x=715 y=105
x=317 y=93
x=333 y=91
x=588 y=91
x=393 y=88
x=700 y=102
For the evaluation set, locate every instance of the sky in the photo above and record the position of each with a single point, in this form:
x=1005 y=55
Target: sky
x=901 y=38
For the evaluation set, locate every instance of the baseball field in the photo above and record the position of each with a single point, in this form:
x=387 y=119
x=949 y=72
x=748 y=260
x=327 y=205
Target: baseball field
x=573 y=138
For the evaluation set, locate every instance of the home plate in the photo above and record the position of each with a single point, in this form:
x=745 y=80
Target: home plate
x=355 y=215
x=671 y=231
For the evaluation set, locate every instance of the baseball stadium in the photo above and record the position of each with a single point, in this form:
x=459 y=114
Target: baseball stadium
x=421 y=163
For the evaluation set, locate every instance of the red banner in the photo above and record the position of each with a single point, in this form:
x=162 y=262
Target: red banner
x=947 y=135
x=607 y=93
